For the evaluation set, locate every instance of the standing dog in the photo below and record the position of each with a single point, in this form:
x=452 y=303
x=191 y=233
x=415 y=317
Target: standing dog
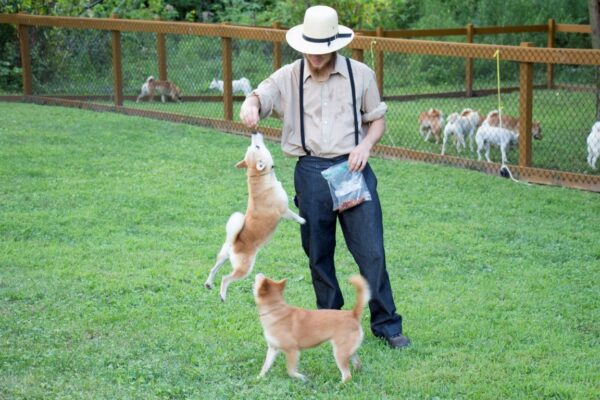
x=475 y=120
x=291 y=329
x=240 y=85
x=593 y=145
x=459 y=127
x=494 y=135
x=162 y=88
x=512 y=124
x=430 y=123
x=267 y=204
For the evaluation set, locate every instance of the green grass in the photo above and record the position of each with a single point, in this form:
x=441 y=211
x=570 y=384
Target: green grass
x=109 y=225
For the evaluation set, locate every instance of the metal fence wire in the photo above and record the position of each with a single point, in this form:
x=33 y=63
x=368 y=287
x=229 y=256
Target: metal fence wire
x=447 y=101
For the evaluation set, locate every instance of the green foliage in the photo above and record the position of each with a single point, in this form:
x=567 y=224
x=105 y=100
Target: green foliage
x=10 y=77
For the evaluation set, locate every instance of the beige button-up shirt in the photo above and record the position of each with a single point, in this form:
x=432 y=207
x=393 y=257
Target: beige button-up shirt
x=328 y=119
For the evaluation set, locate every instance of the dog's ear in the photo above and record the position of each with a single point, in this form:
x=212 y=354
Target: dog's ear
x=260 y=165
x=241 y=164
x=282 y=283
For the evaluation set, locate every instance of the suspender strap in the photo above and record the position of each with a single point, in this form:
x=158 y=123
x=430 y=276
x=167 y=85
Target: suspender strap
x=353 y=101
x=301 y=93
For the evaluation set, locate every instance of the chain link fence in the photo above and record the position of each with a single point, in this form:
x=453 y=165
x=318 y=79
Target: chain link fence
x=550 y=93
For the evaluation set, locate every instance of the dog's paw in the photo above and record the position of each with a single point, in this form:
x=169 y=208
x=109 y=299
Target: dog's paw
x=301 y=221
x=222 y=298
x=208 y=285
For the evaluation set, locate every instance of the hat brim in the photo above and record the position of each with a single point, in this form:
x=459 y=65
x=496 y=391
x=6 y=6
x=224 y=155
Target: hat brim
x=298 y=43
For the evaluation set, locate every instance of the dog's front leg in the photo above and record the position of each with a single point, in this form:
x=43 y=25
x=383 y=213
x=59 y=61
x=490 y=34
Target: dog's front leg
x=503 y=151
x=271 y=354
x=289 y=214
x=292 y=364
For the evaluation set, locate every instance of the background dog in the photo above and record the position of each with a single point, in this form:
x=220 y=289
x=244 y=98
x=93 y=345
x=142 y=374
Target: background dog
x=431 y=123
x=475 y=119
x=458 y=127
x=240 y=85
x=267 y=204
x=488 y=135
x=593 y=145
x=162 y=88
x=291 y=329
x=512 y=124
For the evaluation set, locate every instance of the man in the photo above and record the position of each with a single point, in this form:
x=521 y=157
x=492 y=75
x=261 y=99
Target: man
x=332 y=111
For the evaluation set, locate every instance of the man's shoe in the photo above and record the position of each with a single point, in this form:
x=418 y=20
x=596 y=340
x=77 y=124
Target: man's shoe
x=398 y=341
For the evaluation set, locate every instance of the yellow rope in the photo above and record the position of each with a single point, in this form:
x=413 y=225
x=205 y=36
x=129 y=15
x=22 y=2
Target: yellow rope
x=497 y=55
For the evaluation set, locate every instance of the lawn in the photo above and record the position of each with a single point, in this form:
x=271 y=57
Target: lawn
x=109 y=225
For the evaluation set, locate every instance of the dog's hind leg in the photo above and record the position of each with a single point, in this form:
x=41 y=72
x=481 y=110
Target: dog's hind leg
x=222 y=257
x=342 y=356
x=234 y=225
x=292 y=357
x=271 y=355
x=242 y=266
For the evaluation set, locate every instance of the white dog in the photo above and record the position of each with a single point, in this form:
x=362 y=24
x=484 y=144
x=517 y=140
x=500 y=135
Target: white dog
x=475 y=120
x=593 y=145
x=240 y=85
x=494 y=135
x=457 y=126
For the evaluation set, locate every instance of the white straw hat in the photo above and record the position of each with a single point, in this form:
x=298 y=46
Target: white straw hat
x=320 y=33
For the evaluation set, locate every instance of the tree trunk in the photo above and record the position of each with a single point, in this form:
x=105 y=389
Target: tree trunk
x=594 y=9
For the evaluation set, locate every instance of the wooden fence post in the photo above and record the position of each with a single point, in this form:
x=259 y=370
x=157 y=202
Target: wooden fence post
x=227 y=77
x=525 y=110
x=116 y=64
x=25 y=59
x=379 y=63
x=550 y=67
x=161 y=50
x=276 y=50
x=469 y=65
x=358 y=55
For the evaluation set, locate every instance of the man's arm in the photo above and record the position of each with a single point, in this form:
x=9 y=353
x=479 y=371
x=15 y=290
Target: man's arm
x=357 y=160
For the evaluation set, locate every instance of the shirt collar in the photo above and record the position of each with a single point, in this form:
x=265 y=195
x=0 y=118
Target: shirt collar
x=338 y=68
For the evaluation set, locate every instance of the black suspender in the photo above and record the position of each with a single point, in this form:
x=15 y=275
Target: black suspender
x=301 y=93
x=353 y=101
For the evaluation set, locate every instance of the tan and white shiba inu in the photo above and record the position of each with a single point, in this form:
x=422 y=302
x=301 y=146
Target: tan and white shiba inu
x=267 y=205
x=291 y=329
x=162 y=88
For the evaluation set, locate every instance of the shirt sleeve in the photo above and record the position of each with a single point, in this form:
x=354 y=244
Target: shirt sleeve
x=373 y=108
x=270 y=93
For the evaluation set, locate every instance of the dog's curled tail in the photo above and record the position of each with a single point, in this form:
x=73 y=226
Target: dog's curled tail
x=363 y=294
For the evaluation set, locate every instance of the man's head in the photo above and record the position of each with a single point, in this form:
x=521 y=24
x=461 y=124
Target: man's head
x=320 y=33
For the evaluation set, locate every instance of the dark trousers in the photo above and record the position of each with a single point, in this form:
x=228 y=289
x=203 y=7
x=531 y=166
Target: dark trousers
x=363 y=232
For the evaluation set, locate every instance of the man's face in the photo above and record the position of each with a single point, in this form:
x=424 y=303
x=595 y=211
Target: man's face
x=318 y=61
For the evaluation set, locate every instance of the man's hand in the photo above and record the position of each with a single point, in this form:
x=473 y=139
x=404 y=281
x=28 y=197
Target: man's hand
x=249 y=111
x=357 y=160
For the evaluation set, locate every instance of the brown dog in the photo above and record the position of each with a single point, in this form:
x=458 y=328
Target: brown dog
x=512 y=124
x=291 y=329
x=162 y=88
x=267 y=205
x=431 y=123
